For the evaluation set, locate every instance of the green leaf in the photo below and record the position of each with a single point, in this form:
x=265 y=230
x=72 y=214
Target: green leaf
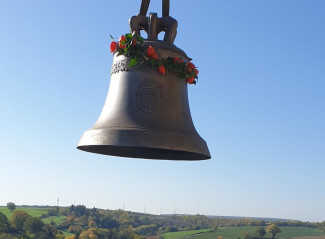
x=141 y=40
x=138 y=56
x=112 y=37
x=133 y=62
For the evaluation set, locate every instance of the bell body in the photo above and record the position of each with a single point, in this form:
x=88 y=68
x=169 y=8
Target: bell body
x=146 y=115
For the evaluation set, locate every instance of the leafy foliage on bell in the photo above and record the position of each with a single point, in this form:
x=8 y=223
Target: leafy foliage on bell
x=132 y=46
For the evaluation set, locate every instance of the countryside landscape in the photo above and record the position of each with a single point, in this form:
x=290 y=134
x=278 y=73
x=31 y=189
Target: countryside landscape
x=79 y=222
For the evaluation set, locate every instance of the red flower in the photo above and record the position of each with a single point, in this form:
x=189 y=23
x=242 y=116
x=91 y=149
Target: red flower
x=178 y=60
x=133 y=42
x=190 y=65
x=122 y=39
x=155 y=56
x=121 y=42
x=190 y=80
x=162 y=70
x=151 y=51
x=196 y=71
x=113 y=46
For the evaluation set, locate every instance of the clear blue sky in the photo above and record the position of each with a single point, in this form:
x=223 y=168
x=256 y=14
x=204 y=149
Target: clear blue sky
x=259 y=105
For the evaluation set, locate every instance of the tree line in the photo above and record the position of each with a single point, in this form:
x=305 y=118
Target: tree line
x=84 y=223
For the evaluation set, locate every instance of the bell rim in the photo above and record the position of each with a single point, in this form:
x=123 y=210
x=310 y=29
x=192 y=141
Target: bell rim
x=144 y=143
x=178 y=155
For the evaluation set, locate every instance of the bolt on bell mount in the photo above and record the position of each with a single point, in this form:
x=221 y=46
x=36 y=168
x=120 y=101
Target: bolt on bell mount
x=146 y=113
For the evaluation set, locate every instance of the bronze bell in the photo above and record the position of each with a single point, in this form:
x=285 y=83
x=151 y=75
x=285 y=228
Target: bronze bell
x=146 y=114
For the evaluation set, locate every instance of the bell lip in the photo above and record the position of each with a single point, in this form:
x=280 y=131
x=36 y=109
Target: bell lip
x=144 y=143
x=144 y=153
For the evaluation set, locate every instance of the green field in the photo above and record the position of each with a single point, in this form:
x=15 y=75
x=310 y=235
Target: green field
x=236 y=232
x=66 y=234
x=299 y=231
x=34 y=212
x=183 y=234
x=58 y=220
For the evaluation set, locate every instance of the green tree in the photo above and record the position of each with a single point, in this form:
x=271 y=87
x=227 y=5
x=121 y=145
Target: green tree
x=11 y=206
x=80 y=210
x=91 y=233
x=70 y=237
x=124 y=218
x=53 y=211
x=75 y=229
x=322 y=226
x=273 y=229
x=71 y=208
x=33 y=225
x=215 y=228
x=109 y=222
x=246 y=234
x=4 y=223
x=7 y=236
x=18 y=219
x=147 y=229
x=50 y=232
x=260 y=232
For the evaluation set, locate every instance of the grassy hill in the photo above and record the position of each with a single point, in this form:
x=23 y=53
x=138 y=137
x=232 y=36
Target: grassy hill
x=34 y=212
x=58 y=220
x=184 y=234
x=236 y=232
x=37 y=212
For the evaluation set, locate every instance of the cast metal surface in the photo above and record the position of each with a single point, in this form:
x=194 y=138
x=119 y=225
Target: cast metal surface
x=146 y=114
x=154 y=25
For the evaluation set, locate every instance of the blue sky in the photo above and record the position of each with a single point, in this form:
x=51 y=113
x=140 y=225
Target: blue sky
x=259 y=105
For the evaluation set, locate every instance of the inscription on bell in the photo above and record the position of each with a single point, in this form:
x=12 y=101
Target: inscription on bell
x=149 y=96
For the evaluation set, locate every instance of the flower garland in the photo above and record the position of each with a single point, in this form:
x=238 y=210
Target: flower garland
x=133 y=46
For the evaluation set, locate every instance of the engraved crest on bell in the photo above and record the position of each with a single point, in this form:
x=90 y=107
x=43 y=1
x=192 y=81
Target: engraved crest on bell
x=149 y=96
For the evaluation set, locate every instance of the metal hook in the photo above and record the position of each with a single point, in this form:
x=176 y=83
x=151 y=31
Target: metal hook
x=165 y=8
x=145 y=6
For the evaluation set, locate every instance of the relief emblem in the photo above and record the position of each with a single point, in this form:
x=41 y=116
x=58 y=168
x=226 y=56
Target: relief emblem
x=149 y=97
